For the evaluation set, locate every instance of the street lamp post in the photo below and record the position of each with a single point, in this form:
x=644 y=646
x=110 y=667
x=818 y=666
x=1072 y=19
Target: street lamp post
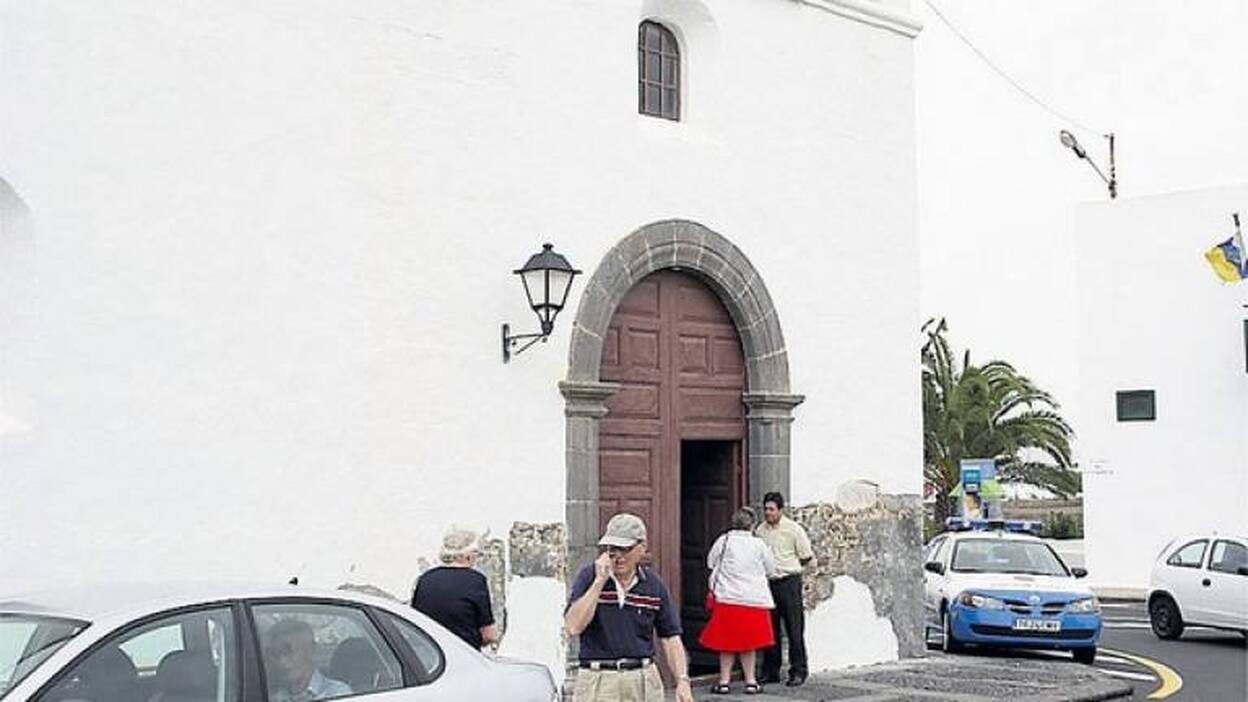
x=1070 y=142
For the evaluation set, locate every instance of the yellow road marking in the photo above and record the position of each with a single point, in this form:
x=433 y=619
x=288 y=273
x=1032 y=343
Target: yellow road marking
x=1170 y=680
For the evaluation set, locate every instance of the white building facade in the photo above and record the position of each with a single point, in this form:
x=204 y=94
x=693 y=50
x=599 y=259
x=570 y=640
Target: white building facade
x=256 y=256
x=1162 y=335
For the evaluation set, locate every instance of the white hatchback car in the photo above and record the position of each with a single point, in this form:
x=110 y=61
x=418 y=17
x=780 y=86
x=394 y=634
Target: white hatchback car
x=228 y=643
x=1199 y=580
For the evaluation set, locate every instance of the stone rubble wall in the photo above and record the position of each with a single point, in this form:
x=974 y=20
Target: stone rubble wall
x=874 y=538
x=877 y=540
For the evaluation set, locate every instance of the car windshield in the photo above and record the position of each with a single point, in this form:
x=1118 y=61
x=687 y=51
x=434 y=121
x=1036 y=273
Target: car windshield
x=26 y=641
x=1006 y=556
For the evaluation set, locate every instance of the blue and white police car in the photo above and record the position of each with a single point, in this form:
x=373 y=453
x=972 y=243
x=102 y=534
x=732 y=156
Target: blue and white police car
x=992 y=584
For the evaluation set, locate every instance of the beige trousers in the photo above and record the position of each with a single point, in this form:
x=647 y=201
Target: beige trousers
x=641 y=685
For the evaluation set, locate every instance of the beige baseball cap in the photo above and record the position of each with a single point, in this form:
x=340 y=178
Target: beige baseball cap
x=624 y=531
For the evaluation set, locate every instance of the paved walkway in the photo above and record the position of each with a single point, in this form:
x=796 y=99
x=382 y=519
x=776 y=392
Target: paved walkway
x=945 y=679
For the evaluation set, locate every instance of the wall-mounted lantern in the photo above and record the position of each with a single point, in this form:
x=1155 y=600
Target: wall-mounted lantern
x=547 y=278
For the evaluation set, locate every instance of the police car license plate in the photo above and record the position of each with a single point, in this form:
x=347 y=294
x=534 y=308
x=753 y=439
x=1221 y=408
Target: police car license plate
x=1037 y=625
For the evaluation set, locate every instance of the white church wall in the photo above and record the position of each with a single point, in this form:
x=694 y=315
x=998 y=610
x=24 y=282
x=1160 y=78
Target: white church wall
x=18 y=316
x=275 y=244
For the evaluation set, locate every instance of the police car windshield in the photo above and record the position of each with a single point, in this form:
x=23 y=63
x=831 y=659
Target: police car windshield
x=1006 y=556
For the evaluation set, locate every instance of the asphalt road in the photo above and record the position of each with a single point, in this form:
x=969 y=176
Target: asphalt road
x=1212 y=664
x=1209 y=665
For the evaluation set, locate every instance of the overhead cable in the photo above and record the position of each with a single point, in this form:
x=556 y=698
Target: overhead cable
x=1017 y=86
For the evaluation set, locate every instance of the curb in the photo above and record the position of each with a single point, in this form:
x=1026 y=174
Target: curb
x=862 y=683
x=1120 y=690
x=1121 y=594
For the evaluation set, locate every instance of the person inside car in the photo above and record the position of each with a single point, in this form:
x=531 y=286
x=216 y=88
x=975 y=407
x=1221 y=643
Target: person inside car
x=291 y=661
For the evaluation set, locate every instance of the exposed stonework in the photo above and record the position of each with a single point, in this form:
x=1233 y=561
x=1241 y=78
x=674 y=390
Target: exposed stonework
x=878 y=543
x=538 y=550
x=493 y=562
x=366 y=589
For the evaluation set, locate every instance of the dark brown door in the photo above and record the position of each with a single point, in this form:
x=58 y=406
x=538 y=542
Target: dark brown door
x=675 y=352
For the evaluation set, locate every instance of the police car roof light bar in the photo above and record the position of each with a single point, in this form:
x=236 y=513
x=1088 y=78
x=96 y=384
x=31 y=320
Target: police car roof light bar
x=1017 y=526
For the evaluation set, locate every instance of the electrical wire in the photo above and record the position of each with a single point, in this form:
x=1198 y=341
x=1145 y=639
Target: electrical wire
x=1017 y=86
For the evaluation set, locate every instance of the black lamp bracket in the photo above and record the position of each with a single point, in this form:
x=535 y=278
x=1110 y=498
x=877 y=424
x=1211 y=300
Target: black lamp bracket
x=510 y=341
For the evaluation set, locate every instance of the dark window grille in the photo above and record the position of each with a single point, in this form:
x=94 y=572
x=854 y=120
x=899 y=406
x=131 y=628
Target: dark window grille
x=658 y=72
x=1137 y=406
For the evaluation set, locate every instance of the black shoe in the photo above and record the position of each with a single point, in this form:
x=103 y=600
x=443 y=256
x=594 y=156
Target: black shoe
x=772 y=678
x=795 y=680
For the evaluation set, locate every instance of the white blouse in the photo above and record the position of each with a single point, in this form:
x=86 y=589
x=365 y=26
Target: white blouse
x=740 y=563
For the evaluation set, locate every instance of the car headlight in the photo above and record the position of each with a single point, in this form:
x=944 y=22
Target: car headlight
x=1084 y=606
x=974 y=599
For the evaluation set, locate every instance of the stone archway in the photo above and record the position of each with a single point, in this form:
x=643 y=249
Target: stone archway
x=694 y=249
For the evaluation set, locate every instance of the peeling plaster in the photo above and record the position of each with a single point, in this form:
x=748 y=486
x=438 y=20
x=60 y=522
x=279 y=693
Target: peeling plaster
x=536 y=608
x=845 y=630
x=876 y=541
x=368 y=589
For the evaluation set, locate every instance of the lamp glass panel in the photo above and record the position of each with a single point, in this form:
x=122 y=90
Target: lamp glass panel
x=560 y=281
x=535 y=287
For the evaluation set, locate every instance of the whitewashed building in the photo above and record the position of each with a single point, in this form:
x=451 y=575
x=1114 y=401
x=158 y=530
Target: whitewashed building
x=1162 y=414
x=255 y=257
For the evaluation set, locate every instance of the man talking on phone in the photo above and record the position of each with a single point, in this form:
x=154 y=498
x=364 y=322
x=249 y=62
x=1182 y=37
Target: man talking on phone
x=616 y=607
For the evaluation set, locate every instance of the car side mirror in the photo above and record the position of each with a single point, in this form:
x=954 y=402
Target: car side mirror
x=1242 y=570
x=1079 y=572
x=934 y=567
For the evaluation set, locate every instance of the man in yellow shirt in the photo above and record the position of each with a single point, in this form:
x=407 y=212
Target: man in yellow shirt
x=791 y=547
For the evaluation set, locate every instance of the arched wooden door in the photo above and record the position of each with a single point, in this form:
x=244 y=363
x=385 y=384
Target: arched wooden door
x=671 y=448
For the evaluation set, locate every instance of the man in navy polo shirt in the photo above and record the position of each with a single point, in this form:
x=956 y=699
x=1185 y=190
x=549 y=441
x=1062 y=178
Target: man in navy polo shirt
x=616 y=606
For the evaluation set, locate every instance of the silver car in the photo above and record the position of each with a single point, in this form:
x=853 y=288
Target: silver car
x=230 y=643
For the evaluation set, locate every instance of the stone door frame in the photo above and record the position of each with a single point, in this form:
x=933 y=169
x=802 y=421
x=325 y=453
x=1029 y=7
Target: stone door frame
x=694 y=249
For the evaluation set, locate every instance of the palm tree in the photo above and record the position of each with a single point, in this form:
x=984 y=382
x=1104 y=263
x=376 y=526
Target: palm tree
x=988 y=411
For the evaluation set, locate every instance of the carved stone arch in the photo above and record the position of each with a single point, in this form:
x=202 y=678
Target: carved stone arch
x=694 y=249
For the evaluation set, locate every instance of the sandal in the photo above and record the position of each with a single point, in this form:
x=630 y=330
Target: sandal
x=753 y=688
x=720 y=689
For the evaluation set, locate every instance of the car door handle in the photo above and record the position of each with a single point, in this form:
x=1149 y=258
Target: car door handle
x=1206 y=582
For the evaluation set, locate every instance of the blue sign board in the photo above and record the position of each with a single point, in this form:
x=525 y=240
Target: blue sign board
x=970 y=479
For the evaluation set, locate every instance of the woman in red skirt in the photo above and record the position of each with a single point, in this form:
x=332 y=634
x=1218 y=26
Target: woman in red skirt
x=741 y=613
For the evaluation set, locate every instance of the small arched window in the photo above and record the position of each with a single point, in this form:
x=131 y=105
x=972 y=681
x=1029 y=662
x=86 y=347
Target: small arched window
x=658 y=71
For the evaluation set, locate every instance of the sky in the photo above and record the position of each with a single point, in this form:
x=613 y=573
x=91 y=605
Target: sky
x=997 y=191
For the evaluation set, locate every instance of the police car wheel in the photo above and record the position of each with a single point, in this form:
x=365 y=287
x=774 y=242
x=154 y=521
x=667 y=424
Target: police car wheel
x=1165 y=618
x=1087 y=656
x=948 y=644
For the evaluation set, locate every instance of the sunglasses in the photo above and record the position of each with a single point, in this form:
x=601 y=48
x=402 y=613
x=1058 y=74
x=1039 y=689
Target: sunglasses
x=617 y=550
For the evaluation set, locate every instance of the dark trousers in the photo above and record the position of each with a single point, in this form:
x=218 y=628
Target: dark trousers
x=787 y=592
